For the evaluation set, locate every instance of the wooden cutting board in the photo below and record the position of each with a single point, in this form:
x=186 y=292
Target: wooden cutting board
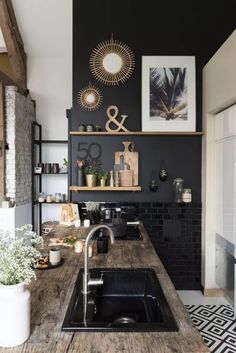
x=126 y=178
x=131 y=158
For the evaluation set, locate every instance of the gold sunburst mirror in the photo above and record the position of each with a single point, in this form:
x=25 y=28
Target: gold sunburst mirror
x=112 y=62
x=90 y=97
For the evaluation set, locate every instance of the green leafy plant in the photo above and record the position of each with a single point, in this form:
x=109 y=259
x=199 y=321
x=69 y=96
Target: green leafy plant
x=103 y=174
x=91 y=170
x=65 y=162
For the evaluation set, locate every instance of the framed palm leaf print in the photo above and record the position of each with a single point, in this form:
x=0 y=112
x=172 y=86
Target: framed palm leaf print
x=168 y=93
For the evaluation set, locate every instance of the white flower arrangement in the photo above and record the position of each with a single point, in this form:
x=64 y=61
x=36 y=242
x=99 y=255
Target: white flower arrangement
x=18 y=256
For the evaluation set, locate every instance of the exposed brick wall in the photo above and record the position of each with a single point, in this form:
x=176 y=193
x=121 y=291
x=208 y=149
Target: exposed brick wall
x=175 y=232
x=20 y=113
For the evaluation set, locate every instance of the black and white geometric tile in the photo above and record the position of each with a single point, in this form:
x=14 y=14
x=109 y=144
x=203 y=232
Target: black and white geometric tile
x=217 y=326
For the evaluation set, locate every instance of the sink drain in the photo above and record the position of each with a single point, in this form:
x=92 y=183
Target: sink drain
x=124 y=320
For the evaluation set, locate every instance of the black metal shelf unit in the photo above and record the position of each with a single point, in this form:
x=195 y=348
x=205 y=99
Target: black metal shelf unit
x=37 y=143
x=36 y=136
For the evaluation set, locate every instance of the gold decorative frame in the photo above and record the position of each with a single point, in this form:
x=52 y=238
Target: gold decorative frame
x=84 y=94
x=115 y=47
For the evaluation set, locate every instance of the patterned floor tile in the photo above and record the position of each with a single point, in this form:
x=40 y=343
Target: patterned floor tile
x=217 y=326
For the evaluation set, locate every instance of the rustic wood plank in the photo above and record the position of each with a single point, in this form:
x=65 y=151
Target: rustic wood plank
x=2 y=141
x=138 y=133
x=14 y=43
x=105 y=188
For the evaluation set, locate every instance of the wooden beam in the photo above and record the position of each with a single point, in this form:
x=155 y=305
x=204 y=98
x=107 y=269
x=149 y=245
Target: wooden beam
x=2 y=141
x=14 y=43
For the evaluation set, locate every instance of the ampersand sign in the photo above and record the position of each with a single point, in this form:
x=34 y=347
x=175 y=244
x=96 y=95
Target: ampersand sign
x=112 y=119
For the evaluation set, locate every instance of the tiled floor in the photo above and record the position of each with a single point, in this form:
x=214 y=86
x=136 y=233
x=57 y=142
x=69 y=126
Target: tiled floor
x=191 y=297
x=217 y=326
x=214 y=318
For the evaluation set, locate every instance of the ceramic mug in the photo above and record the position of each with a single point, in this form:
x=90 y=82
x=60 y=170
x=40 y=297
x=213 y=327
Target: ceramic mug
x=55 y=256
x=87 y=223
x=78 y=246
x=77 y=223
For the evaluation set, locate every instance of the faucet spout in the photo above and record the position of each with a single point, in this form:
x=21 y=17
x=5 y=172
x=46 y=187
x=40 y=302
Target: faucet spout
x=86 y=277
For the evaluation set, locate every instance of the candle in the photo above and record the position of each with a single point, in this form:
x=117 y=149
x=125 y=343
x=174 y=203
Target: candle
x=77 y=223
x=78 y=246
x=55 y=256
x=87 y=223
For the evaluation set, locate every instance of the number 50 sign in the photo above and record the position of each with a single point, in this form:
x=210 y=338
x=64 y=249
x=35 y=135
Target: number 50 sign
x=91 y=152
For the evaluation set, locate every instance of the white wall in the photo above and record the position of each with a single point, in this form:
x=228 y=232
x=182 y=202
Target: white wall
x=219 y=92
x=2 y=43
x=14 y=217
x=46 y=29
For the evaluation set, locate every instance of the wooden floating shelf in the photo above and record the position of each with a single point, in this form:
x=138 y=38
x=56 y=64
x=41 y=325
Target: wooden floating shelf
x=137 y=133
x=105 y=188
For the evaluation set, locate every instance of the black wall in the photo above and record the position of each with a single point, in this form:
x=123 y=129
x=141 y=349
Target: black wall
x=182 y=156
x=151 y=27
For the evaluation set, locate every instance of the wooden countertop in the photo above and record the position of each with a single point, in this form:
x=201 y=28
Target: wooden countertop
x=51 y=293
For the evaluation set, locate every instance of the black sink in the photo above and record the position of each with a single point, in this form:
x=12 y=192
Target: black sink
x=129 y=300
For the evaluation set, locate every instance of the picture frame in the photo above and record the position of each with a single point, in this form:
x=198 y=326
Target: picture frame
x=168 y=93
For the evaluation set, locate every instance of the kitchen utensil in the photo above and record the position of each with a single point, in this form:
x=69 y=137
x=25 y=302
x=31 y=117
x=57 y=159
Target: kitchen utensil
x=126 y=176
x=102 y=245
x=117 y=179
x=131 y=158
x=119 y=163
x=47 y=168
x=178 y=189
x=55 y=168
x=118 y=226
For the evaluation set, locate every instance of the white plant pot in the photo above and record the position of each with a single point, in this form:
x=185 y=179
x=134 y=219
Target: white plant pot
x=15 y=315
x=5 y=204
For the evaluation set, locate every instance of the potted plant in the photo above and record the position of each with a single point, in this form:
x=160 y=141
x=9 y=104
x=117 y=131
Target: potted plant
x=64 y=168
x=17 y=259
x=91 y=176
x=102 y=176
x=98 y=128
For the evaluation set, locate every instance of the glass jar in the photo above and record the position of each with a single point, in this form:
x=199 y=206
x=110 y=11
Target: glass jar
x=58 y=197
x=187 y=195
x=90 y=128
x=81 y=128
x=153 y=186
x=178 y=189
x=49 y=198
x=41 y=197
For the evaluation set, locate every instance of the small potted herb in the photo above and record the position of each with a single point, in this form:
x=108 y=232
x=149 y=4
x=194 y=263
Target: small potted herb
x=98 y=128
x=102 y=176
x=64 y=168
x=91 y=176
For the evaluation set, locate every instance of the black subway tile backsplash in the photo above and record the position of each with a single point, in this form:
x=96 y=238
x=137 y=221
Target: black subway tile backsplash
x=175 y=232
